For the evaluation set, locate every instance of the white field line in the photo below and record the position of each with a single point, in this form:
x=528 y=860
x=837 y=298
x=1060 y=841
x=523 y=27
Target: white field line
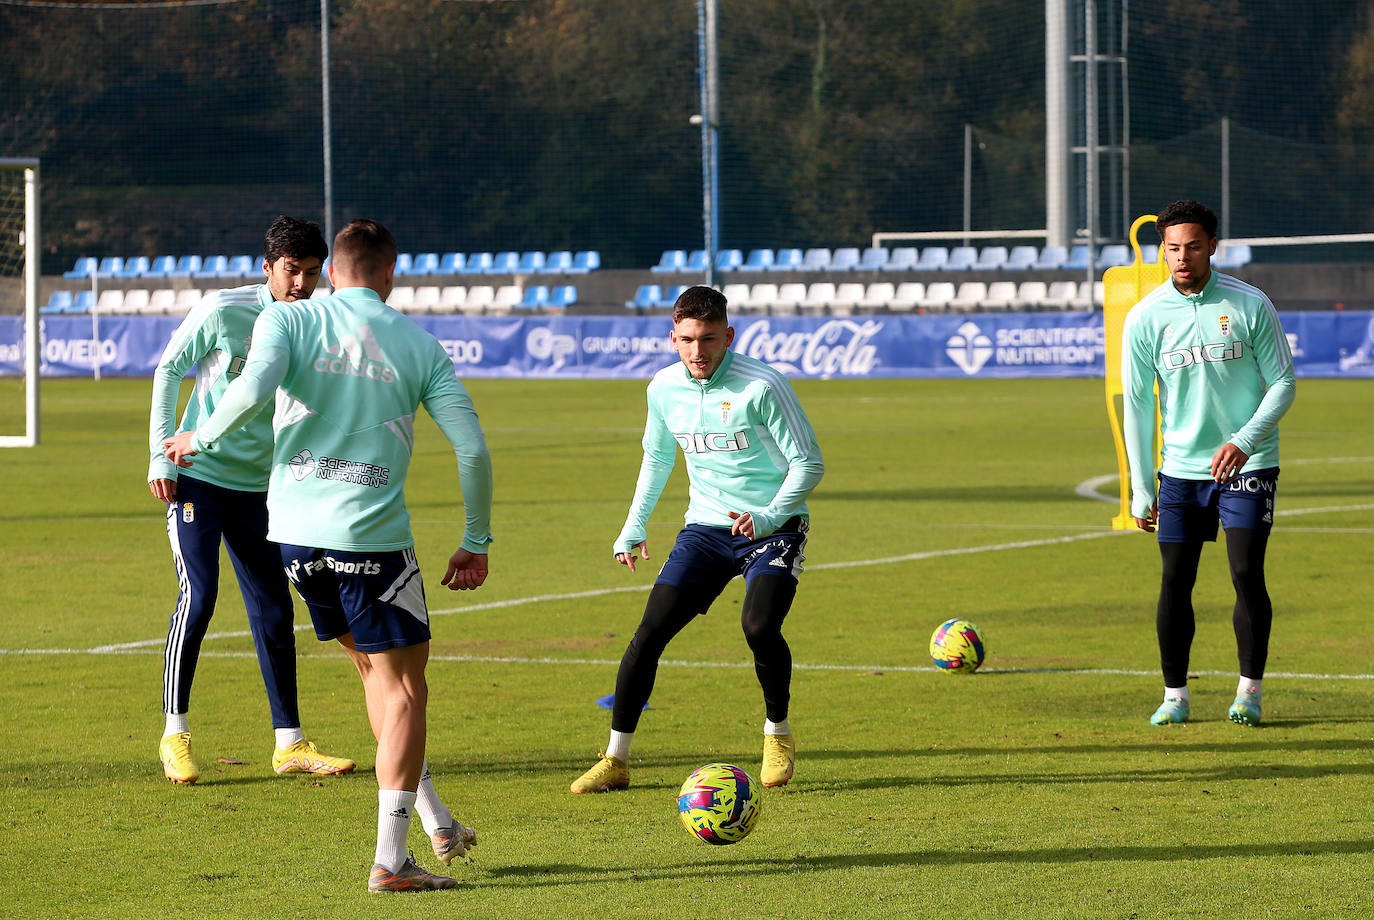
x=1086 y=489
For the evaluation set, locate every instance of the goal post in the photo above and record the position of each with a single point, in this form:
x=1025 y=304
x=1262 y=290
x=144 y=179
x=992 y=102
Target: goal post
x=20 y=273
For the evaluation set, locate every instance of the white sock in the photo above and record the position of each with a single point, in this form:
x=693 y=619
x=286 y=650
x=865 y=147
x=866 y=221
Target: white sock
x=1254 y=686
x=619 y=745
x=394 y=808
x=776 y=728
x=434 y=814
x=176 y=724
x=288 y=736
x=1176 y=693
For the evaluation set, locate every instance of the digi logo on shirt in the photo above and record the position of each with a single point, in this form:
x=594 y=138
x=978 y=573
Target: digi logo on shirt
x=712 y=442
x=1213 y=352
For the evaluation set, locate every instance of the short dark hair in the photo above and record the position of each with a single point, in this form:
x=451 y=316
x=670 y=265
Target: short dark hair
x=365 y=245
x=1187 y=212
x=701 y=302
x=294 y=239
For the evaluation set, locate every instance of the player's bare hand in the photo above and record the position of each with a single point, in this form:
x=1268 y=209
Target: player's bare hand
x=1227 y=463
x=1148 y=524
x=743 y=523
x=628 y=559
x=466 y=571
x=164 y=490
x=178 y=448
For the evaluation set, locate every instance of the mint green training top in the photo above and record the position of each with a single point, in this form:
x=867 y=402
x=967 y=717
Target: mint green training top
x=1225 y=374
x=748 y=444
x=213 y=337
x=352 y=372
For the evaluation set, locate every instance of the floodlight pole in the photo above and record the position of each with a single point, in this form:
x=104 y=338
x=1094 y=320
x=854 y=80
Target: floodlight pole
x=328 y=133
x=709 y=119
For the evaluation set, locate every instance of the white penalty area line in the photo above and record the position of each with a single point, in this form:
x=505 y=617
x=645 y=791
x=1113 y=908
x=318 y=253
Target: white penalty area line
x=1086 y=489
x=874 y=669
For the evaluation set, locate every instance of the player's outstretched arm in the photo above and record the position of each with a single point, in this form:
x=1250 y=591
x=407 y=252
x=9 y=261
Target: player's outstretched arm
x=466 y=571
x=628 y=559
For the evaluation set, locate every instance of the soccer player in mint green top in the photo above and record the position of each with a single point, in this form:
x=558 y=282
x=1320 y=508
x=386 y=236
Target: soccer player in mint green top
x=752 y=459
x=352 y=372
x=1224 y=369
x=225 y=500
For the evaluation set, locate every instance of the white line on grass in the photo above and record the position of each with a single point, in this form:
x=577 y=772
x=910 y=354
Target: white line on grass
x=1086 y=489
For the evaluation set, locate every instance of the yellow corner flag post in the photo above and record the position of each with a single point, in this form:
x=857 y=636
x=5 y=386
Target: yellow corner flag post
x=1124 y=286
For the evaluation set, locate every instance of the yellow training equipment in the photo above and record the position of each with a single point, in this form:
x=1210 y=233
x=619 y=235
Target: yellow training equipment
x=1124 y=286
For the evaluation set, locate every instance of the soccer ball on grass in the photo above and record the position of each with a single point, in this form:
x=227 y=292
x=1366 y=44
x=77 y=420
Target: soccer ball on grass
x=957 y=646
x=718 y=803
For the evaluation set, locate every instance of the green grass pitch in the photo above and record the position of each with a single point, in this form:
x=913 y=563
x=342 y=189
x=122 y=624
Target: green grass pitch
x=1033 y=789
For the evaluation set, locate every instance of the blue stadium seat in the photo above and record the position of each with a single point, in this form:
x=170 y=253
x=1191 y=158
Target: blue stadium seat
x=585 y=261
x=84 y=267
x=728 y=260
x=110 y=267
x=1114 y=254
x=425 y=263
x=185 y=267
x=991 y=259
x=901 y=259
x=932 y=258
x=670 y=296
x=1078 y=258
x=239 y=267
x=844 y=259
x=83 y=302
x=672 y=260
x=786 y=260
x=504 y=263
x=450 y=263
x=211 y=266
x=696 y=262
x=531 y=263
x=873 y=259
x=404 y=261
x=477 y=263
x=1021 y=258
x=1233 y=255
x=562 y=297
x=161 y=266
x=646 y=297
x=816 y=260
x=536 y=297
x=58 y=302
x=1051 y=258
x=135 y=267
x=961 y=258
x=558 y=262
x=759 y=260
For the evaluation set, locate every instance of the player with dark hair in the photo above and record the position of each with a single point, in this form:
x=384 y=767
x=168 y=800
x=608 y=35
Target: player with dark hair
x=1224 y=369
x=752 y=459
x=352 y=373
x=225 y=499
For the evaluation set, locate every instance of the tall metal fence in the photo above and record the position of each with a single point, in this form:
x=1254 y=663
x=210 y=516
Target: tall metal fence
x=185 y=127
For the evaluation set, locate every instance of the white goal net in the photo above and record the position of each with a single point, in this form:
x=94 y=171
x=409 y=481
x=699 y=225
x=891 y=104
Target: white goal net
x=19 y=278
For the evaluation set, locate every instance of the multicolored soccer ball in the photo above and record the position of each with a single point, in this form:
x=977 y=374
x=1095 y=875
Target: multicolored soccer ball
x=957 y=646
x=719 y=803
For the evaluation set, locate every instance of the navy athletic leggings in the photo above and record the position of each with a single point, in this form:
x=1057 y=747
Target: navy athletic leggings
x=767 y=599
x=1251 y=619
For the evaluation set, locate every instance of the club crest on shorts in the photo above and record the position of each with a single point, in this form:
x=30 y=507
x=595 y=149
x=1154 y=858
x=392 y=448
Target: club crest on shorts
x=188 y=512
x=725 y=412
x=1224 y=324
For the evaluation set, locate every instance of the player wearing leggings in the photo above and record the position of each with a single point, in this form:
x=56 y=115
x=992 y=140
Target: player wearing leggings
x=752 y=460
x=1224 y=368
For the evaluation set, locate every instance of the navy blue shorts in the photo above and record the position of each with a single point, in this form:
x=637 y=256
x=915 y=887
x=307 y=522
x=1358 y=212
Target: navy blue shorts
x=705 y=558
x=1189 y=509
x=377 y=596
